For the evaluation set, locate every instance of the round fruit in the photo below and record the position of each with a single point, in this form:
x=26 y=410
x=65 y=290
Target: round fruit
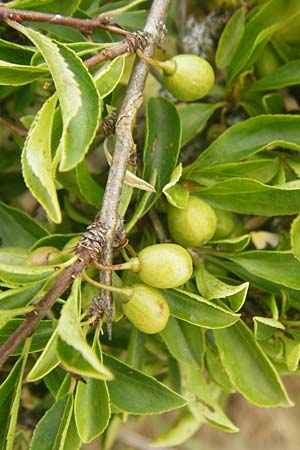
x=165 y=265
x=225 y=224
x=193 y=225
x=44 y=256
x=193 y=77
x=147 y=309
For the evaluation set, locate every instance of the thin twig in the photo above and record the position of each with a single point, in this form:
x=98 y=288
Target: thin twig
x=20 y=131
x=87 y=26
x=109 y=217
x=133 y=41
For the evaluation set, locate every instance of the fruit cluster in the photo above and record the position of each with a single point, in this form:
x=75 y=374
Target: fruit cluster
x=159 y=266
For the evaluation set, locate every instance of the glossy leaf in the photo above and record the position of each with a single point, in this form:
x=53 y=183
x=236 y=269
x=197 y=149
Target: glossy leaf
x=92 y=411
x=234 y=244
x=136 y=393
x=55 y=6
x=265 y=327
x=248 y=367
x=89 y=188
x=196 y=310
x=18 y=75
x=70 y=332
x=291 y=353
x=37 y=160
x=72 y=81
x=193 y=117
x=258 y=30
x=230 y=38
x=17 y=228
x=51 y=430
x=247 y=138
x=279 y=267
x=19 y=297
x=39 y=339
x=203 y=399
x=7 y=390
x=6 y=315
x=246 y=196
x=160 y=152
x=184 y=341
x=24 y=274
x=175 y=193
x=262 y=170
x=72 y=440
x=15 y=53
x=211 y=287
x=216 y=370
x=109 y=75
x=46 y=362
x=295 y=238
x=286 y=75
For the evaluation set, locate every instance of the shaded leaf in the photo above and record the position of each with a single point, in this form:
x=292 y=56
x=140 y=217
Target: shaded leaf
x=286 y=75
x=17 y=228
x=17 y=75
x=109 y=75
x=265 y=327
x=295 y=238
x=230 y=38
x=185 y=341
x=51 y=430
x=46 y=362
x=136 y=393
x=39 y=339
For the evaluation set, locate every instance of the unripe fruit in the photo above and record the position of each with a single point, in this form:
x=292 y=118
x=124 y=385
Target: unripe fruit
x=193 y=77
x=165 y=265
x=193 y=225
x=44 y=256
x=225 y=224
x=147 y=309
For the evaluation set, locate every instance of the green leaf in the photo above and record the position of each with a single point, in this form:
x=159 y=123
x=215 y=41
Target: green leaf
x=215 y=368
x=51 y=431
x=91 y=191
x=136 y=393
x=230 y=38
x=258 y=30
x=70 y=331
x=247 y=138
x=92 y=411
x=24 y=274
x=279 y=267
x=109 y=75
x=176 y=194
x=66 y=7
x=245 y=196
x=13 y=255
x=15 y=53
x=160 y=152
x=203 y=398
x=185 y=342
x=17 y=228
x=196 y=310
x=291 y=353
x=193 y=117
x=39 y=339
x=14 y=410
x=46 y=362
x=17 y=298
x=72 y=81
x=7 y=389
x=72 y=440
x=37 y=160
x=184 y=428
x=295 y=238
x=248 y=368
x=6 y=315
x=211 y=288
x=234 y=244
x=17 y=75
x=265 y=327
x=262 y=170
x=286 y=75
